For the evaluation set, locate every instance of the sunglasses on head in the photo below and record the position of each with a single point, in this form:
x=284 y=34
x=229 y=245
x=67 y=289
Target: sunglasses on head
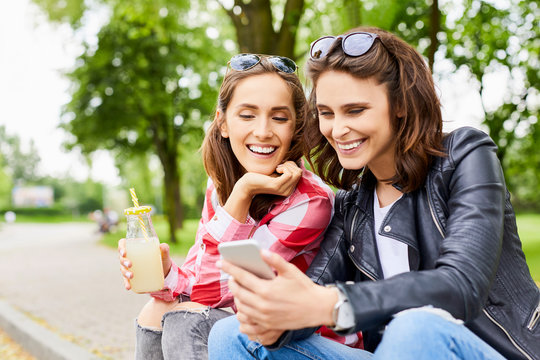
x=243 y=62
x=353 y=44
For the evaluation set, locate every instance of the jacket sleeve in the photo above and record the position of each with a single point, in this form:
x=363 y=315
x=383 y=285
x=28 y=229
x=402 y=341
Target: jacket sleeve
x=470 y=249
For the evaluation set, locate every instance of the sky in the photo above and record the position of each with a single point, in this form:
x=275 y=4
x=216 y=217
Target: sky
x=33 y=54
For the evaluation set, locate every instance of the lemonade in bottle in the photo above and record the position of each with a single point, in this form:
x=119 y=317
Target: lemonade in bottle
x=142 y=249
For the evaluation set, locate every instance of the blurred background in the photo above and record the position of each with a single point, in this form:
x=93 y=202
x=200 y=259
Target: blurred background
x=97 y=96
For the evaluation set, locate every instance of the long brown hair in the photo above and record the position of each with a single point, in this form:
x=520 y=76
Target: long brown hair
x=411 y=94
x=219 y=160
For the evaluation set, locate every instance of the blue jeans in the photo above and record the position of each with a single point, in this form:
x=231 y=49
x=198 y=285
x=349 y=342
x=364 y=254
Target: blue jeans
x=419 y=334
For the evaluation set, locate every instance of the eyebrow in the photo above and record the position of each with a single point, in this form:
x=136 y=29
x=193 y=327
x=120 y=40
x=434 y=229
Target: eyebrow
x=347 y=106
x=255 y=107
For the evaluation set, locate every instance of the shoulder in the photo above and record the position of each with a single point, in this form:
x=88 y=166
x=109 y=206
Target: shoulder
x=463 y=141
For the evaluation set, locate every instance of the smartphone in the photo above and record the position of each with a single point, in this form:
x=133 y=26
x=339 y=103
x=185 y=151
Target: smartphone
x=247 y=255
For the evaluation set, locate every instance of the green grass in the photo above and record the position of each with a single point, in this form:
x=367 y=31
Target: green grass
x=529 y=232
x=184 y=236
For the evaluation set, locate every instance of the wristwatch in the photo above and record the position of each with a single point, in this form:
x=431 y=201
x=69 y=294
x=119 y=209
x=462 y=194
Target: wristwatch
x=342 y=313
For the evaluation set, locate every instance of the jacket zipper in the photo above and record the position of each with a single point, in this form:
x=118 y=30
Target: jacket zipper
x=351 y=239
x=507 y=335
x=535 y=318
x=433 y=214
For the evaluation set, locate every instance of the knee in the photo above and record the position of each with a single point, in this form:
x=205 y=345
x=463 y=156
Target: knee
x=422 y=323
x=223 y=332
x=152 y=313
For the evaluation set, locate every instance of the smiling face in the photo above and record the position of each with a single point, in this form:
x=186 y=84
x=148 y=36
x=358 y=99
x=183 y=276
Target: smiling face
x=354 y=116
x=259 y=122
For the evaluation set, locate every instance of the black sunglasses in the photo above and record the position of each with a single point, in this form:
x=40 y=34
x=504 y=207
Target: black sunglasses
x=353 y=44
x=243 y=62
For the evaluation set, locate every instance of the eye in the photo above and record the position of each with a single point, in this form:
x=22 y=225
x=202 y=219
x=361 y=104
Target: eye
x=246 y=116
x=280 y=118
x=325 y=113
x=354 y=111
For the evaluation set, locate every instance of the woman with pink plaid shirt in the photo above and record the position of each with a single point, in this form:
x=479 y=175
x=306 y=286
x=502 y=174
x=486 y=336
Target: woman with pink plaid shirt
x=258 y=188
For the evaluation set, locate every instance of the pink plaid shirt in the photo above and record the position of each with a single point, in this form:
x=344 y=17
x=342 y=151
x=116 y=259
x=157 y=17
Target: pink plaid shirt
x=293 y=228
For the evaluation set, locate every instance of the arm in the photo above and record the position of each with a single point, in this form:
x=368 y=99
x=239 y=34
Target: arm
x=271 y=304
x=469 y=252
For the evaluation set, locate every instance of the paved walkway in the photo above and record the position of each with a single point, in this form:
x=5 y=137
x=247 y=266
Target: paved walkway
x=61 y=277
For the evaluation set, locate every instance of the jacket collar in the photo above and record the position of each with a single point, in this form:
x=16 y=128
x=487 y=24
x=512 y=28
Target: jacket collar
x=397 y=225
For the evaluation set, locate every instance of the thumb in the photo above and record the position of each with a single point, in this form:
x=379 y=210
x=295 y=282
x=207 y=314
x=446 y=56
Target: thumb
x=165 y=257
x=276 y=262
x=164 y=248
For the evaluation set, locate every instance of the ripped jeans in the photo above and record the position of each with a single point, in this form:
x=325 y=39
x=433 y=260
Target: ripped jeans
x=184 y=335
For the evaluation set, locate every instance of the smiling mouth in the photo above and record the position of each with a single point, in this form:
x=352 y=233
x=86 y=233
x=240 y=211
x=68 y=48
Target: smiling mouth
x=265 y=150
x=350 y=146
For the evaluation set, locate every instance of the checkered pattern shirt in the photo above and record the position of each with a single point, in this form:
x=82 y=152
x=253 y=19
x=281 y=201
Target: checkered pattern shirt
x=293 y=228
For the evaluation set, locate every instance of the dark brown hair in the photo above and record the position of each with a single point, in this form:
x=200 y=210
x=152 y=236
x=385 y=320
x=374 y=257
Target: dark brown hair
x=219 y=160
x=411 y=94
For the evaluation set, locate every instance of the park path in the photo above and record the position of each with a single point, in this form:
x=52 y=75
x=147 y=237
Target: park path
x=60 y=276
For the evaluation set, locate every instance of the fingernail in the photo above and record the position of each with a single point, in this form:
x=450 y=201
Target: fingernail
x=123 y=252
x=266 y=252
x=218 y=264
x=126 y=263
x=128 y=275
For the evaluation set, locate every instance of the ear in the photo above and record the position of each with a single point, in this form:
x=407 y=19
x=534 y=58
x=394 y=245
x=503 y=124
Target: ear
x=222 y=124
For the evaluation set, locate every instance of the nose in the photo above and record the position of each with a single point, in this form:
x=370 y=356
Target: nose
x=263 y=128
x=340 y=128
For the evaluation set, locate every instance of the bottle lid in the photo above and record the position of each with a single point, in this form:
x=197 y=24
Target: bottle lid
x=137 y=210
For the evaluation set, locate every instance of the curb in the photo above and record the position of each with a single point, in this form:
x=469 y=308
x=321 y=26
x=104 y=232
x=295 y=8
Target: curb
x=36 y=340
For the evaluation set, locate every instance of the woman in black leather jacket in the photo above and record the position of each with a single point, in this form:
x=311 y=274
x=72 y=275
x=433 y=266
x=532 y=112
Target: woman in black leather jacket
x=422 y=254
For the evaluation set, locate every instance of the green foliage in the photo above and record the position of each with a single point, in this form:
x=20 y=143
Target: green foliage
x=6 y=184
x=75 y=197
x=20 y=165
x=489 y=39
x=70 y=11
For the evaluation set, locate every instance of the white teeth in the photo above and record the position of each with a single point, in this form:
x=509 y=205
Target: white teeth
x=351 y=145
x=262 y=150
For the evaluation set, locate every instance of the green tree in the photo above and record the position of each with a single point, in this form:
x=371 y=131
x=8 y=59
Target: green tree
x=488 y=39
x=6 y=184
x=141 y=88
x=21 y=165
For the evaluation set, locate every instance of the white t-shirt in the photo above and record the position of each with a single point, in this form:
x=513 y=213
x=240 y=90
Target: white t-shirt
x=393 y=254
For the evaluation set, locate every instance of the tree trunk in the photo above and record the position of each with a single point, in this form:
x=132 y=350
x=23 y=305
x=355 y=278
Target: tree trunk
x=165 y=143
x=254 y=27
x=435 y=19
x=171 y=181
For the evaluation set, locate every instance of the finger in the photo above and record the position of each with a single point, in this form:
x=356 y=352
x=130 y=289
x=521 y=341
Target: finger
x=126 y=273
x=245 y=298
x=277 y=262
x=165 y=250
x=122 y=247
x=242 y=277
x=127 y=284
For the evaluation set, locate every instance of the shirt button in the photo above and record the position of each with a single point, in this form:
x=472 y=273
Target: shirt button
x=215 y=218
x=202 y=246
x=387 y=228
x=351 y=249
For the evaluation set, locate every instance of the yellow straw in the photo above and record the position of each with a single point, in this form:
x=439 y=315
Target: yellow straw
x=136 y=203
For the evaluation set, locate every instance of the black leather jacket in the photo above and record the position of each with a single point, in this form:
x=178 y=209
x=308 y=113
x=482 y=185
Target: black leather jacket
x=464 y=252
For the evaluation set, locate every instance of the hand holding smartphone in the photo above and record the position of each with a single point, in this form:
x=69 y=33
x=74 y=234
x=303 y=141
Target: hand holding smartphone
x=247 y=255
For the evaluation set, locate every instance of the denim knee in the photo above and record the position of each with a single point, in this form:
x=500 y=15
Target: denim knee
x=223 y=331
x=425 y=323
